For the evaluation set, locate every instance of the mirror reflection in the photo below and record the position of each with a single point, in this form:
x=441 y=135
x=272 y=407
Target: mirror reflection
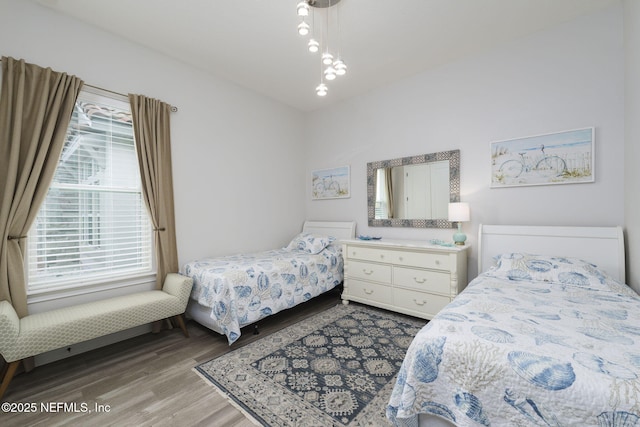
x=413 y=191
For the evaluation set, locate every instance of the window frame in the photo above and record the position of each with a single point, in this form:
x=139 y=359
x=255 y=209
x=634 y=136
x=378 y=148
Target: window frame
x=101 y=282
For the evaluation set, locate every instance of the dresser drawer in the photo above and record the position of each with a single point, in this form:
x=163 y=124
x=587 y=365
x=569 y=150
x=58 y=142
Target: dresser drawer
x=420 y=302
x=370 y=291
x=369 y=254
x=422 y=280
x=422 y=259
x=368 y=271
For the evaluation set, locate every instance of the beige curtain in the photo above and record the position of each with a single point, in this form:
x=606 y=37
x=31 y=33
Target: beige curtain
x=389 y=190
x=35 y=108
x=153 y=142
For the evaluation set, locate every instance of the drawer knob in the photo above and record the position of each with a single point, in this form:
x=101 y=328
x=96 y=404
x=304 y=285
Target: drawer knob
x=367 y=272
x=419 y=280
x=401 y=259
x=368 y=291
x=381 y=256
x=437 y=262
x=419 y=303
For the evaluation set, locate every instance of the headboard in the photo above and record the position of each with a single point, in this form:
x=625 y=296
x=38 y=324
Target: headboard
x=337 y=229
x=602 y=246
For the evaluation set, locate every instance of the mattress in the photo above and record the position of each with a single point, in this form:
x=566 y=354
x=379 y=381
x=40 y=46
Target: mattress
x=242 y=289
x=535 y=341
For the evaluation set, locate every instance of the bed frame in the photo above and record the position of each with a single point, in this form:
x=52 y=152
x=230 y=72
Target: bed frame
x=603 y=246
x=337 y=229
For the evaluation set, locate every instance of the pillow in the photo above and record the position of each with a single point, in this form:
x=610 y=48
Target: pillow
x=310 y=243
x=570 y=271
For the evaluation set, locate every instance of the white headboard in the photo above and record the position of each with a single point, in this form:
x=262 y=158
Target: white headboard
x=603 y=246
x=337 y=229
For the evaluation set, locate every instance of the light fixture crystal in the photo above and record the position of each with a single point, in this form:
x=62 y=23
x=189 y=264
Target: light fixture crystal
x=313 y=46
x=330 y=73
x=321 y=89
x=303 y=28
x=340 y=67
x=323 y=17
x=303 y=8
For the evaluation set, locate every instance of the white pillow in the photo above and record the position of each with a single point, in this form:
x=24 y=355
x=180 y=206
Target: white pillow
x=310 y=243
x=570 y=271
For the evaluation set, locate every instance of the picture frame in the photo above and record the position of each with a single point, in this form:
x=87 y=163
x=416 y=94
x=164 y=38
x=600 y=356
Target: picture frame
x=565 y=157
x=333 y=183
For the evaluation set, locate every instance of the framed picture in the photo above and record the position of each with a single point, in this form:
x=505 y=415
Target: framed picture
x=331 y=183
x=555 y=158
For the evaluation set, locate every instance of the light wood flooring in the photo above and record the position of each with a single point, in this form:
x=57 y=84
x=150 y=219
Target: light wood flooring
x=145 y=381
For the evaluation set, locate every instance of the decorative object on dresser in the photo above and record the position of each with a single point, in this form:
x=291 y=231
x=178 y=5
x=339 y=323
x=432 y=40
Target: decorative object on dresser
x=407 y=276
x=459 y=212
x=335 y=368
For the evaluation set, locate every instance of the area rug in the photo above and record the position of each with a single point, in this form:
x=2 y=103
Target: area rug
x=336 y=368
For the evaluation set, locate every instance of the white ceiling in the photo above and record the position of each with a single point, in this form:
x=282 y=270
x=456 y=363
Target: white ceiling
x=254 y=43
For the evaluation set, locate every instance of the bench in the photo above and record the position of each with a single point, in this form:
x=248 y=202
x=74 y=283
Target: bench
x=41 y=332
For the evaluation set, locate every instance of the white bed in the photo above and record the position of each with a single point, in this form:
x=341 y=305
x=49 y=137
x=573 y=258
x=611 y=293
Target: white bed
x=234 y=291
x=534 y=340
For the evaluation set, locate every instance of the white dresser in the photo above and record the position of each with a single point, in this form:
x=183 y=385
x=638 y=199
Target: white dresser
x=407 y=276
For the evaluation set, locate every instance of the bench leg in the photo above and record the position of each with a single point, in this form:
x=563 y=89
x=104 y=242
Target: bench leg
x=180 y=322
x=7 y=375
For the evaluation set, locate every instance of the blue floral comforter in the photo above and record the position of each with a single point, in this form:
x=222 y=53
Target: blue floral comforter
x=537 y=341
x=242 y=289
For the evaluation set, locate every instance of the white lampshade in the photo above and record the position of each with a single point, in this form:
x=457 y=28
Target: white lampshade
x=459 y=212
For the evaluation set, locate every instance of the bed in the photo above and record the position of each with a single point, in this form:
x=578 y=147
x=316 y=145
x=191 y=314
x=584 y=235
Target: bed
x=547 y=335
x=234 y=291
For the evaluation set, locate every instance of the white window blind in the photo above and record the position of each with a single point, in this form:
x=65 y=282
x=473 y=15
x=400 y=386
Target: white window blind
x=93 y=226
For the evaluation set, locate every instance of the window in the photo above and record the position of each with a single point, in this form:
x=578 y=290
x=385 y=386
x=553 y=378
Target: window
x=382 y=203
x=93 y=226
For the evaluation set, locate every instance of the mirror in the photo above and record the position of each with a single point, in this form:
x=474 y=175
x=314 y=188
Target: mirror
x=413 y=191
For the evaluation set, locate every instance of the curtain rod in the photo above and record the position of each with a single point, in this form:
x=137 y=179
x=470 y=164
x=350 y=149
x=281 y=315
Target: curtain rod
x=171 y=107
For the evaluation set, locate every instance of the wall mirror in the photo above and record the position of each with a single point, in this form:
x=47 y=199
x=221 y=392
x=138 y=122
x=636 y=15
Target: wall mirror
x=413 y=191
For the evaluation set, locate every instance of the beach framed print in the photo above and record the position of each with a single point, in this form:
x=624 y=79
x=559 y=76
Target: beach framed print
x=555 y=158
x=332 y=183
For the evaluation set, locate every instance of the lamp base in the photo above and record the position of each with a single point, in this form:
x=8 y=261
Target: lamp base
x=459 y=237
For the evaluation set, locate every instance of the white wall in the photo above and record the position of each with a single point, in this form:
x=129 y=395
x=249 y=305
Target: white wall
x=234 y=151
x=562 y=78
x=236 y=154
x=632 y=140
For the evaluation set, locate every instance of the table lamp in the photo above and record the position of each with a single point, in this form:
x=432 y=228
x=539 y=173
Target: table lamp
x=459 y=212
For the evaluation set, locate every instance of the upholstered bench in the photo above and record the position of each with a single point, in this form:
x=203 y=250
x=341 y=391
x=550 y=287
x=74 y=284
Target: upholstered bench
x=41 y=332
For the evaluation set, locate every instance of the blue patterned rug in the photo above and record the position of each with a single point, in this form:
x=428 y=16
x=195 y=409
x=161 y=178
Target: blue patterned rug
x=336 y=368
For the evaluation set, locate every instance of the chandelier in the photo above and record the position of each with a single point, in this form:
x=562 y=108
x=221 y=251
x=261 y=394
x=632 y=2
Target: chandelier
x=318 y=13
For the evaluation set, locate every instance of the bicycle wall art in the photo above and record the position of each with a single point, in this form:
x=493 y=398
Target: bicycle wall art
x=556 y=158
x=331 y=183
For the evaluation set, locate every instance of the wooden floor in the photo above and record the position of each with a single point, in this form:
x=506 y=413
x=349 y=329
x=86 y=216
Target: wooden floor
x=144 y=381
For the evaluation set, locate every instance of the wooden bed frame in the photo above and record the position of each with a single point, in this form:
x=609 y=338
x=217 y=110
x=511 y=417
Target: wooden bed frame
x=603 y=246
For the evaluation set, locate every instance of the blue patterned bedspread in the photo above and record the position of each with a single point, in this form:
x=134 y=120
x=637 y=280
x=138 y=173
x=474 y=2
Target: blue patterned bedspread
x=541 y=342
x=242 y=289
